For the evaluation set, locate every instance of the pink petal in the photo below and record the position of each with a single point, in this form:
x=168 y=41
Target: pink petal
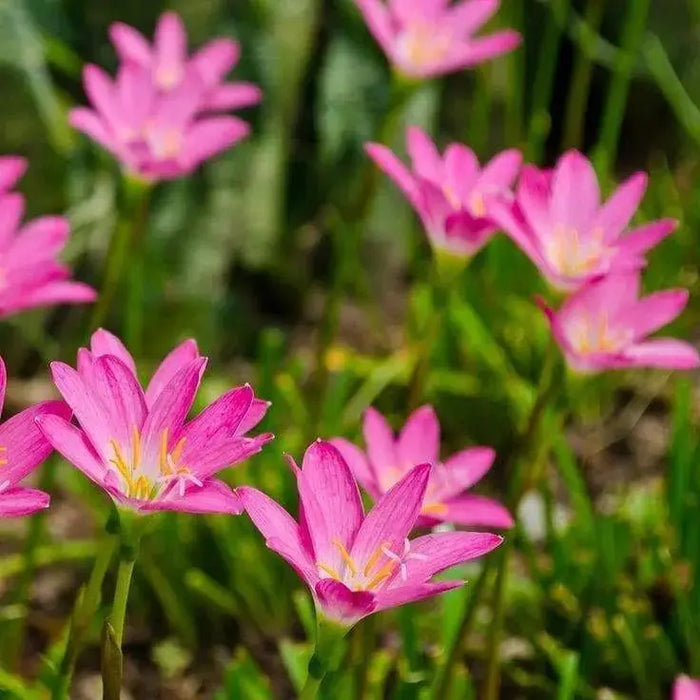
x=3 y=383
x=342 y=605
x=614 y=216
x=25 y=446
x=666 y=353
x=360 y=467
x=533 y=197
x=91 y=124
x=103 y=342
x=15 y=503
x=379 y=439
x=213 y=497
x=644 y=238
x=394 y=597
x=500 y=172
x=419 y=439
x=471 y=510
x=470 y=15
x=11 y=212
x=467 y=467
x=234 y=96
x=176 y=360
x=396 y=170
x=212 y=135
x=130 y=44
x=575 y=193
x=478 y=51
x=170 y=408
x=393 y=517
x=611 y=294
x=512 y=219
x=443 y=550
x=101 y=93
x=55 y=293
x=40 y=239
x=686 y=688
x=11 y=170
x=331 y=502
x=461 y=172
x=170 y=47
x=654 y=311
x=256 y=412
x=72 y=443
x=378 y=22
x=425 y=157
x=280 y=531
x=215 y=59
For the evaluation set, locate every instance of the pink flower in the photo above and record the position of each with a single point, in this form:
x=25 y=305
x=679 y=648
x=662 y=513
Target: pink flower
x=388 y=459
x=686 y=688
x=11 y=170
x=605 y=324
x=156 y=117
x=427 y=38
x=357 y=564
x=137 y=445
x=30 y=274
x=168 y=63
x=22 y=449
x=448 y=191
x=557 y=219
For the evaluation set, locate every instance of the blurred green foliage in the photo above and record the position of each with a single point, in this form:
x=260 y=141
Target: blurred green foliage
x=258 y=257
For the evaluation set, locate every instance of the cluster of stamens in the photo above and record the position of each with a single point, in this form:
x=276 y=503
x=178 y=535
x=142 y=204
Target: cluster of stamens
x=571 y=255
x=423 y=46
x=145 y=487
x=370 y=577
x=595 y=335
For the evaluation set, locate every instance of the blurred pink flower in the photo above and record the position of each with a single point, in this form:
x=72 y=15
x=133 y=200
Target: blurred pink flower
x=357 y=564
x=557 y=219
x=158 y=117
x=448 y=191
x=137 y=445
x=30 y=274
x=686 y=688
x=388 y=459
x=22 y=449
x=428 y=38
x=605 y=326
x=168 y=62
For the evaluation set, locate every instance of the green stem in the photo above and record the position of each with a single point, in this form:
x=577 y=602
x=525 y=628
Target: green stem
x=493 y=680
x=128 y=231
x=634 y=24
x=121 y=597
x=326 y=658
x=85 y=609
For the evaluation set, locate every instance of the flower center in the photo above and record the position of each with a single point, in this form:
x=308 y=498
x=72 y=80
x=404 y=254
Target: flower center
x=422 y=45
x=572 y=256
x=142 y=481
x=594 y=335
x=168 y=78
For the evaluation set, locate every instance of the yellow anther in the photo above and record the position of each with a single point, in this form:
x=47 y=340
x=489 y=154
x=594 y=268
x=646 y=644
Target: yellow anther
x=330 y=571
x=165 y=469
x=435 y=509
x=382 y=574
x=3 y=460
x=345 y=556
x=177 y=451
x=120 y=463
x=135 y=449
x=478 y=205
x=374 y=558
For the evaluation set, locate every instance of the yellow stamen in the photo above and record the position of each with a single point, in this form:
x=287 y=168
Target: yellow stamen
x=382 y=574
x=435 y=509
x=135 y=449
x=120 y=463
x=165 y=469
x=3 y=460
x=345 y=556
x=330 y=571
x=478 y=206
x=177 y=451
x=374 y=558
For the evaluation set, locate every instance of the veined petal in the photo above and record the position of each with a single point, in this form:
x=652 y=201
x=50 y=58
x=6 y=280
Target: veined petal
x=394 y=597
x=342 y=605
x=359 y=465
x=72 y=443
x=379 y=439
x=392 y=518
x=206 y=460
x=61 y=292
x=103 y=342
x=331 y=502
x=176 y=360
x=18 y=502
x=466 y=468
x=280 y=530
x=25 y=446
x=471 y=510
x=419 y=439
x=130 y=44
x=212 y=497
x=256 y=412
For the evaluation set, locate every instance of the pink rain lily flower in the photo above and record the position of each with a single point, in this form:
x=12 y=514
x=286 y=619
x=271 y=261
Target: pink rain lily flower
x=168 y=63
x=686 y=688
x=30 y=274
x=156 y=116
x=357 y=564
x=22 y=449
x=605 y=326
x=429 y=38
x=448 y=192
x=559 y=222
x=388 y=459
x=138 y=445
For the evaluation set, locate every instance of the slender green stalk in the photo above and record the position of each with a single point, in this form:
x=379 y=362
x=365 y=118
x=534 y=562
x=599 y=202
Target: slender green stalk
x=128 y=232
x=328 y=653
x=493 y=681
x=85 y=609
x=580 y=84
x=634 y=24
x=121 y=596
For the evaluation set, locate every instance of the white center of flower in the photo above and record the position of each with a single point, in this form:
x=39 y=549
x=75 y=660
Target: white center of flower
x=422 y=45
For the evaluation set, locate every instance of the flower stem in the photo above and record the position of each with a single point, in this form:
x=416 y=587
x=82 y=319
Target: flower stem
x=326 y=658
x=127 y=233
